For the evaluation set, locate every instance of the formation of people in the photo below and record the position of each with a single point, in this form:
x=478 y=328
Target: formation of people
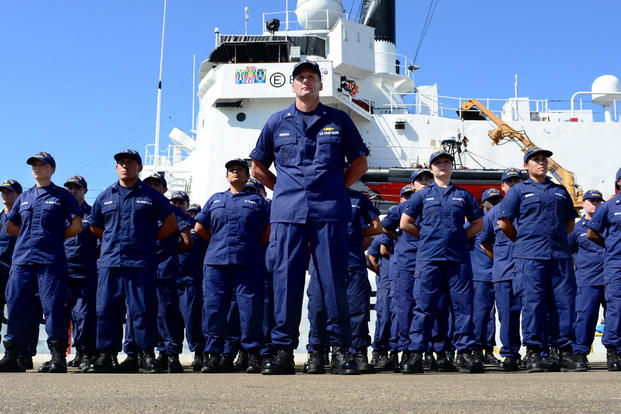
x=230 y=275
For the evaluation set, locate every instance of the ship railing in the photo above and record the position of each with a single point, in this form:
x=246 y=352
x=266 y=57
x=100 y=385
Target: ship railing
x=168 y=158
x=403 y=64
x=319 y=20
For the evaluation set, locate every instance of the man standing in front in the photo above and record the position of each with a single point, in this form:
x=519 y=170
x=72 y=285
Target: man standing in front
x=308 y=143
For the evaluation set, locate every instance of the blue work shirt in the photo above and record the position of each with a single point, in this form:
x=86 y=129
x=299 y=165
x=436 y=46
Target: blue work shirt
x=481 y=263
x=441 y=214
x=81 y=249
x=43 y=219
x=406 y=245
x=191 y=260
x=588 y=256
x=374 y=250
x=504 y=267
x=7 y=244
x=607 y=222
x=168 y=248
x=363 y=213
x=236 y=222
x=130 y=224
x=309 y=161
x=541 y=211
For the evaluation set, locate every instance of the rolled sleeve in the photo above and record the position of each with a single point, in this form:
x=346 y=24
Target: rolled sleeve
x=414 y=206
x=473 y=211
x=510 y=204
x=353 y=145
x=204 y=216
x=264 y=149
x=15 y=215
x=391 y=221
x=487 y=235
x=71 y=207
x=96 y=218
x=599 y=221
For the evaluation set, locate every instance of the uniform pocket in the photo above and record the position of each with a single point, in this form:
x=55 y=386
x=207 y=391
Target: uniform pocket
x=287 y=152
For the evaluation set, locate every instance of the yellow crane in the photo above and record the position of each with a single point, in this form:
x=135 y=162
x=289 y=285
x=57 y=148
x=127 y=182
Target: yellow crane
x=505 y=132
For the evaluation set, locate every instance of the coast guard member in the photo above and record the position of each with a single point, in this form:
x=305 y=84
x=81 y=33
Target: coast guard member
x=41 y=219
x=605 y=230
x=589 y=267
x=508 y=304
x=235 y=223
x=308 y=142
x=545 y=215
x=442 y=263
x=81 y=251
x=194 y=209
x=126 y=216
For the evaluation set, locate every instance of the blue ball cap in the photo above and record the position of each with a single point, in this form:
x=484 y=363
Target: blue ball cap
x=618 y=174
x=128 y=153
x=194 y=207
x=180 y=195
x=237 y=161
x=490 y=193
x=157 y=177
x=306 y=64
x=419 y=171
x=406 y=189
x=42 y=156
x=77 y=179
x=254 y=183
x=536 y=150
x=511 y=173
x=593 y=195
x=12 y=185
x=439 y=154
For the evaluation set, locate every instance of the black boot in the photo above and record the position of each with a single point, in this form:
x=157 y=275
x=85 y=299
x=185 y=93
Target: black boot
x=533 y=360
x=211 y=363
x=315 y=362
x=26 y=361
x=326 y=357
x=150 y=363
x=551 y=363
x=382 y=360
x=241 y=363
x=58 y=364
x=405 y=356
x=77 y=360
x=280 y=364
x=490 y=358
x=343 y=362
x=174 y=366
x=429 y=362
x=362 y=360
x=444 y=364
x=101 y=365
x=197 y=364
x=131 y=364
x=470 y=363
x=613 y=362
x=86 y=360
x=509 y=364
x=45 y=367
x=413 y=364
x=10 y=362
x=375 y=358
x=162 y=359
x=254 y=362
x=393 y=362
x=568 y=361
x=114 y=360
x=227 y=363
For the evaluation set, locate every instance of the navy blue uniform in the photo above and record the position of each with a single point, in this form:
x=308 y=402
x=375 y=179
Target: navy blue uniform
x=442 y=264
x=542 y=260
x=127 y=265
x=607 y=222
x=589 y=267
x=484 y=311
x=7 y=244
x=383 y=297
x=236 y=222
x=81 y=251
x=39 y=264
x=310 y=205
x=506 y=294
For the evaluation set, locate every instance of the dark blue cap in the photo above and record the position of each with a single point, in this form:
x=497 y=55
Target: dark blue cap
x=12 y=185
x=77 y=179
x=180 y=195
x=158 y=177
x=418 y=172
x=194 y=207
x=618 y=174
x=237 y=161
x=536 y=150
x=592 y=194
x=254 y=183
x=406 y=189
x=42 y=156
x=128 y=153
x=490 y=193
x=439 y=154
x=511 y=173
x=306 y=64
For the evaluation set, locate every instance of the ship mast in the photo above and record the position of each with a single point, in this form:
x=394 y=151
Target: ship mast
x=159 y=98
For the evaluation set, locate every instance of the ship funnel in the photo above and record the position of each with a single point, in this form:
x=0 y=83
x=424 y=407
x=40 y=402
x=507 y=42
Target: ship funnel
x=319 y=14
x=380 y=14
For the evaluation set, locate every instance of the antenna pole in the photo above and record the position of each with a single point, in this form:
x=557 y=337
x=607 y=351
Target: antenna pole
x=159 y=97
x=246 y=17
x=193 y=89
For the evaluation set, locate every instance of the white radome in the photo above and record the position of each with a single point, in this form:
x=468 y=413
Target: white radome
x=606 y=90
x=319 y=14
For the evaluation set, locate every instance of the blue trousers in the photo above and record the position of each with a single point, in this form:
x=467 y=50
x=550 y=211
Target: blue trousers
x=383 y=299
x=268 y=314
x=612 y=333
x=588 y=300
x=126 y=291
x=82 y=302
x=509 y=308
x=232 y=329
x=548 y=302
x=191 y=306
x=404 y=296
x=169 y=318
x=220 y=284
x=287 y=254
x=24 y=312
x=484 y=315
x=4 y=277
x=433 y=280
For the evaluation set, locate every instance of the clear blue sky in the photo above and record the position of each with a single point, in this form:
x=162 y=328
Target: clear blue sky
x=78 y=78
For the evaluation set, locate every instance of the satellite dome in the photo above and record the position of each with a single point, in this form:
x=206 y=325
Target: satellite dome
x=319 y=14
x=606 y=90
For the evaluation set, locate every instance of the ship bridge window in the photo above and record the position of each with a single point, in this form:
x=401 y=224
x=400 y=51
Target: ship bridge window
x=265 y=49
